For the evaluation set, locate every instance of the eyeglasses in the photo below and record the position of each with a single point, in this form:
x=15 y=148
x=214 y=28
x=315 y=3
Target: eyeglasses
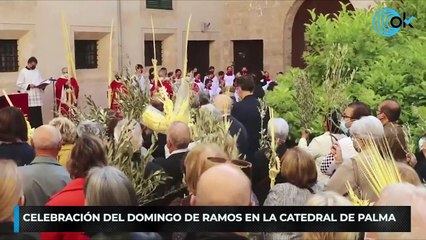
x=348 y=117
x=245 y=166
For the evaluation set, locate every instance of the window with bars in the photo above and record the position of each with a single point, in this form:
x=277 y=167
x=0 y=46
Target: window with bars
x=149 y=52
x=9 y=56
x=86 y=54
x=160 y=4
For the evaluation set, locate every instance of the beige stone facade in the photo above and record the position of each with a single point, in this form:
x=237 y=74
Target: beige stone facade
x=37 y=26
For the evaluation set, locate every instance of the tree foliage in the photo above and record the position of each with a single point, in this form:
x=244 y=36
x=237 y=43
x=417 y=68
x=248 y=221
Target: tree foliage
x=386 y=68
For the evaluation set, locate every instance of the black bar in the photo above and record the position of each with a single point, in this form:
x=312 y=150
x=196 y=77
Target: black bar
x=386 y=219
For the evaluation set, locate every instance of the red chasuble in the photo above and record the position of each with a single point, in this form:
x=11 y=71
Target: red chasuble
x=61 y=96
x=116 y=87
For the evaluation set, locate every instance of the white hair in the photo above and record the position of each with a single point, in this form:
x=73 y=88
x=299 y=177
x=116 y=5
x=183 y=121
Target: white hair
x=366 y=127
x=135 y=131
x=90 y=127
x=211 y=109
x=281 y=128
x=108 y=186
x=405 y=194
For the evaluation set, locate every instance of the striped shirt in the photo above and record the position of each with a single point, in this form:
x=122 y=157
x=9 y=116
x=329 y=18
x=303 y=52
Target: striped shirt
x=27 y=77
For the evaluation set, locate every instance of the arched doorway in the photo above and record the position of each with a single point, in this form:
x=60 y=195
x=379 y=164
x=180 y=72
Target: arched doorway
x=302 y=17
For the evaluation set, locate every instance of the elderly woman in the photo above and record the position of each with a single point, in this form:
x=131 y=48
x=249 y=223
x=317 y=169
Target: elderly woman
x=11 y=194
x=88 y=152
x=300 y=175
x=92 y=128
x=69 y=134
x=14 y=137
x=260 y=177
x=404 y=194
x=133 y=128
x=108 y=186
x=366 y=128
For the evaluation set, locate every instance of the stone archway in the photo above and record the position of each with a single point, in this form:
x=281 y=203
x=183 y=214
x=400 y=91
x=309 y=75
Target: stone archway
x=297 y=16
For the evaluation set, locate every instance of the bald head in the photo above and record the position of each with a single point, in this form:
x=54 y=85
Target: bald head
x=389 y=111
x=404 y=194
x=223 y=185
x=47 y=138
x=178 y=136
x=223 y=103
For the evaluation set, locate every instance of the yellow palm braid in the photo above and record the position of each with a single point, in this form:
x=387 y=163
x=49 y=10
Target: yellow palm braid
x=356 y=201
x=378 y=165
x=274 y=161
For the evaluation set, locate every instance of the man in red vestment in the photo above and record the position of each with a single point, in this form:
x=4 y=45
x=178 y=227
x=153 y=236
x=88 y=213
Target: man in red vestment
x=66 y=92
x=116 y=86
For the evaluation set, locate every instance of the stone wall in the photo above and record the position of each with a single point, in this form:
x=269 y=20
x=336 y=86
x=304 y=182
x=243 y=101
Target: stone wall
x=37 y=25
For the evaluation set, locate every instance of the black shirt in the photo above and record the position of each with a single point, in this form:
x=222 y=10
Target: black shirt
x=421 y=166
x=159 y=151
x=21 y=153
x=247 y=112
x=260 y=179
x=238 y=128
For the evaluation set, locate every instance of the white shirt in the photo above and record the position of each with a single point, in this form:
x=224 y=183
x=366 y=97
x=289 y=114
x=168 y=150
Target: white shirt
x=143 y=83
x=229 y=80
x=320 y=146
x=27 y=77
x=215 y=89
x=168 y=154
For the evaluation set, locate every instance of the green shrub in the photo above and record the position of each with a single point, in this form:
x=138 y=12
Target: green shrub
x=386 y=68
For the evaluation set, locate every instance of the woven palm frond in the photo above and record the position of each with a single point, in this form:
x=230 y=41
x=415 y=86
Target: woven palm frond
x=356 y=201
x=30 y=129
x=274 y=160
x=264 y=139
x=378 y=164
x=173 y=111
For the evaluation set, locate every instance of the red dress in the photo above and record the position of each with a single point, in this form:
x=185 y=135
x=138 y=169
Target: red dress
x=71 y=195
x=59 y=88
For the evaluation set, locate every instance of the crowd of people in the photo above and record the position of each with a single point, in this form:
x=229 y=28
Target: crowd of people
x=210 y=83
x=66 y=165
